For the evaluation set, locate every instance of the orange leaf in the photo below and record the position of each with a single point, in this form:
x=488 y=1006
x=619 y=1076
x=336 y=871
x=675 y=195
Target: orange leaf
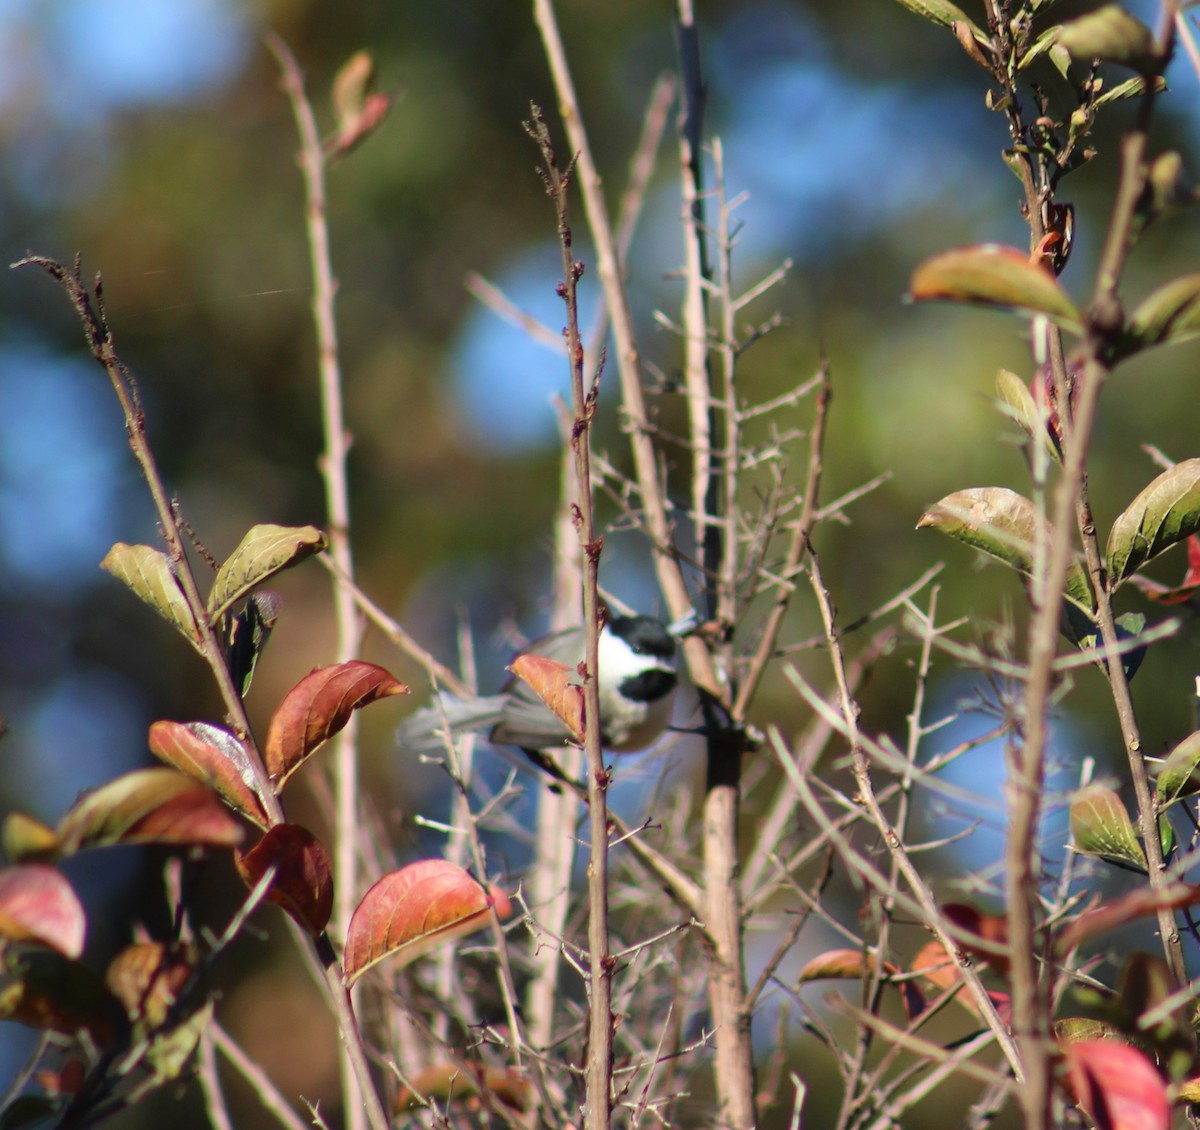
x=936 y=966
x=448 y=1082
x=146 y=978
x=847 y=963
x=37 y=904
x=303 y=882
x=552 y=682
x=410 y=911
x=318 y=707
x=1117 y=1086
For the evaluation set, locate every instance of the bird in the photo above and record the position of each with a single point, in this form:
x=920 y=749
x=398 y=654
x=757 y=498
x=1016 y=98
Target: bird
x=637 y=676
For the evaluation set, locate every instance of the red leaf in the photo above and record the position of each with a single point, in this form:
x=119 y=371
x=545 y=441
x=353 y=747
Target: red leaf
x=1106 y=917
x=1117 y=1086
x=410 y=911
x=303 y=882
x=990 y=929
x=215 y=758
x=148 y=806
x=48 y=991
x=1174 y=594
x=553 y=683
x=37 y=904
x=318 y=707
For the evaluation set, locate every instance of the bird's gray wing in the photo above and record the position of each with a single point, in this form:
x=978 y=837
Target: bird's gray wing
x=426 y=730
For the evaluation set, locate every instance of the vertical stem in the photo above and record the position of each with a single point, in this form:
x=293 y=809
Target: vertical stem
x=629 y=362
x=598 y=1069
x=333 y=465
x=714 y=500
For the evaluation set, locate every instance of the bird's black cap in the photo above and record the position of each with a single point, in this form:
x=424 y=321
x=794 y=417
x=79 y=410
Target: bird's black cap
x=645 y=635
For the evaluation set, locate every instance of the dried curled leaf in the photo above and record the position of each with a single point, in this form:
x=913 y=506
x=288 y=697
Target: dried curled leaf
x=147 y=977
x=213 y=757
x=557 y=686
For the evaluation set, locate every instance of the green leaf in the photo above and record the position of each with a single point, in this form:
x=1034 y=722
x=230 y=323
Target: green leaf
x=264 y=551
x=1017 y=402
x=1100 y=826
x=1168 y=316
x=247 y=636
x=989 y=274
x=1179 y=774
x=1085 y=634
x=944 y=13
x=1113 y=35
x=148 y=572
x=1041 y=46
x=1164 y=514
x=1130 y=88
x=1001 y=523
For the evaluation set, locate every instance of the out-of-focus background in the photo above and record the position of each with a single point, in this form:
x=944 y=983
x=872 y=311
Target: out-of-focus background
x=153 y=139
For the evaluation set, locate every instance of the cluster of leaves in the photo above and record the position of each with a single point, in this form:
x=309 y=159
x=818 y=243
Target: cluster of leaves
x=137 y=1024
x=1120 y=1061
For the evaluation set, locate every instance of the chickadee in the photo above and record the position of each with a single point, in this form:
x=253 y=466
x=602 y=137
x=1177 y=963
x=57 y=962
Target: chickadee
x=637 y=679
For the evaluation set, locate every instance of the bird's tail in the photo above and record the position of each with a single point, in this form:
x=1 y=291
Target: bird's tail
x=449 y=716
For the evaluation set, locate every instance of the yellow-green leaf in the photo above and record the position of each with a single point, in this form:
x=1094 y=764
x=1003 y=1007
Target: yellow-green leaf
x=1169 y=315
x=1112 y=34
x=1178 y=776
x=148 y=572
x=1100 y=826
x=989 y=274
x=1164 y=514
x=263 y=552
x=946 y=14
